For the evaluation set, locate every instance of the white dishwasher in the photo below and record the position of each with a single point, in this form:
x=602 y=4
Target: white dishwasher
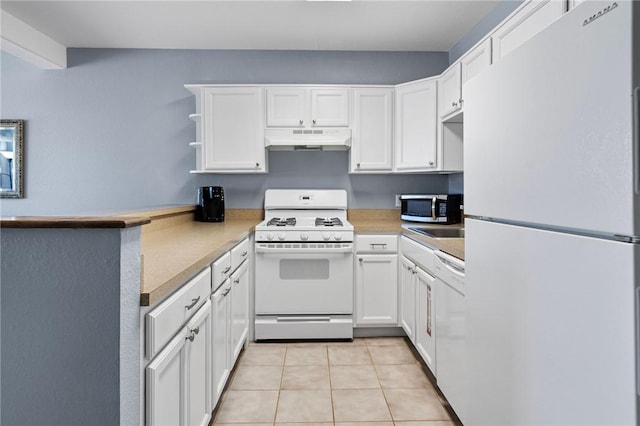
x=451 y=329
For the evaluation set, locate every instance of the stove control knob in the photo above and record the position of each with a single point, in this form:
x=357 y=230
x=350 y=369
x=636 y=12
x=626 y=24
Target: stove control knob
x=281 y=236
x=304 y=236
x=337 y=236
x=326 y=236
x=270 y=236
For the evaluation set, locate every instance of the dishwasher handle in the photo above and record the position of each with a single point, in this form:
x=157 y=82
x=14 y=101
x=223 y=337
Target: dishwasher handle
x=453 y=265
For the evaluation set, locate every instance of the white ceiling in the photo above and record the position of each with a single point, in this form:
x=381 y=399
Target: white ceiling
x=418 y=25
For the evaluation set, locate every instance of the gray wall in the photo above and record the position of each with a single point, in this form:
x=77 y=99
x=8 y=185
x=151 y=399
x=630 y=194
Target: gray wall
x=111 y=132
x=486 y=24
x=69 y=343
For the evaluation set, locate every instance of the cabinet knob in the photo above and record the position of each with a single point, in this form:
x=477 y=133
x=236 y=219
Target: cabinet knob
x=191 y=337
x=236 y=281
x=257 y=164
x=301 y=122
x=360 y=260
x=196 y=330
x=314 y=122
x=453 y=104
x=460 y=101
x=358 y=165
x=244 y=253
x=431 y=163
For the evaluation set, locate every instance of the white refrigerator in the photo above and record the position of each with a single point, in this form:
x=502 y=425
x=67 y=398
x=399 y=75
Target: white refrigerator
x=551 y=250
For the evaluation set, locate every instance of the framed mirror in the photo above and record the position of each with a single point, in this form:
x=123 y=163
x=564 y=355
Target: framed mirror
x=11 y=158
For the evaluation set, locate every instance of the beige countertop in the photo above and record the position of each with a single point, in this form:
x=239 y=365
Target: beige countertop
x=175 y=248
x=388 y=221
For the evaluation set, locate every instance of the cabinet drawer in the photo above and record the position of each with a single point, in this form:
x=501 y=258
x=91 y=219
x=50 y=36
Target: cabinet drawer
x=165 y=320
x=239 y=254
x=377 y=243
x=420 y=254
x=221 y=270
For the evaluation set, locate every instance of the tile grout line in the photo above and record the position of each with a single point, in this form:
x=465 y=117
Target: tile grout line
x=384 y=395
x=284 y=362
x=333 y=410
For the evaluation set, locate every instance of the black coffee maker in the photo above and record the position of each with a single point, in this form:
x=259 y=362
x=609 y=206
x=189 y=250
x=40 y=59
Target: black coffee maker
x=210 y=204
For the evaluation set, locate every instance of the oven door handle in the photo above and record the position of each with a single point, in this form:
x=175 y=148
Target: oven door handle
x=297 y=250
x=304 y=319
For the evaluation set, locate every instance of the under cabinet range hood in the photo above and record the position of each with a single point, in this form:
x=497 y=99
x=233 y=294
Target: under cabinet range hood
x=307 y=139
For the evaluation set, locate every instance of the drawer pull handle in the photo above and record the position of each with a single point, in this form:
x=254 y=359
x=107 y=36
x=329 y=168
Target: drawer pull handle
x=226 y=291
x=374 y=245
x=193 y=303
x=244 y=253
x=236 y=281
x=225 y=270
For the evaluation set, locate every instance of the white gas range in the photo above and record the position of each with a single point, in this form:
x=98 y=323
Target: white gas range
x=304 y=266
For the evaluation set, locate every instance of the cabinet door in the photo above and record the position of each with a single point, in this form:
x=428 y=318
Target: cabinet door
x=377 y=289
x=524 y=24
x=450 y=93
x=165 y=391
x=329 y=107
x=408 y=298
x=220 y=340
x=425 y=313
x=239 y=309
x=287 y=107
x=416 y=127
x=475 y=62
x=234 y=130
x=198 y=375
x=372 y=144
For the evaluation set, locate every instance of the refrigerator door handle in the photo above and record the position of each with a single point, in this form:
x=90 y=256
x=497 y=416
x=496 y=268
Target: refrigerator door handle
x=636 y=138
x=638 y=340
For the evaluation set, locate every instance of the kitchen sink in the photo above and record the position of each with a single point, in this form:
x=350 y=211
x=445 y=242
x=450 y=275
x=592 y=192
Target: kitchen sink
x=439 y=232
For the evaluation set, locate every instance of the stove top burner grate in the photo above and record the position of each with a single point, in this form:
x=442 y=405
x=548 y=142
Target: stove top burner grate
x=277 y=221
x=325 y=221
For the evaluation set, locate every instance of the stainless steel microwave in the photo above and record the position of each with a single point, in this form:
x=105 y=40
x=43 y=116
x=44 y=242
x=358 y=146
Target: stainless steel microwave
x=443 y=208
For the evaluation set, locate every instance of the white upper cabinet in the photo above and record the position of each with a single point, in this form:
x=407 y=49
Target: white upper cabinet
x=416 y=126
x=372 y=141
x=307 y=107
x=233 y=130
x=287 y=107
x=450 y=91
x=526 y=22
x=474 y=62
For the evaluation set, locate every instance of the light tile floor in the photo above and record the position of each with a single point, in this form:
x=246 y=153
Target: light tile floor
x=370 y=381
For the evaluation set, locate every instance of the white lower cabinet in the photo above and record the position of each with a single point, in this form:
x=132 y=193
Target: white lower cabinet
x=220 y=340
x=376 y=289
x=178 y=384
x=239 y=308
x=425 y=329
x=230 y=313
x=408 y=298
x=417 y=298
x=376 y=274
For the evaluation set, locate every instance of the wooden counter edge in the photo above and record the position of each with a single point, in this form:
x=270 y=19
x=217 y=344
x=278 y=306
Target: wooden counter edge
x=72 y=222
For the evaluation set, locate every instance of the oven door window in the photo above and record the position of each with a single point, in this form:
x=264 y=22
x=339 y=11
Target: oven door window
x=304 y=269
